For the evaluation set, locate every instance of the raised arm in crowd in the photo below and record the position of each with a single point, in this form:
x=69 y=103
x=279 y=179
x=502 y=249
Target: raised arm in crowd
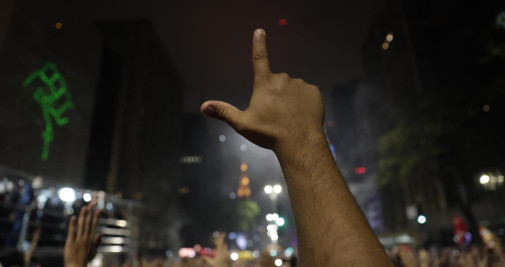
x=286 y=115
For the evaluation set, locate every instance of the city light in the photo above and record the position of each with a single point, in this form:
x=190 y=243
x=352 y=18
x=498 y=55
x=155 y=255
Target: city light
x=269 y=217
x=86 y=197
x=421 y=219
x=58 y=25
x=187 y=252
x=283 y=22
x=360 y=170
x=280 y=221
x=278 y=262
x=385 y=46
x=277 y=189
x=272 y=228
x=484 y=179
x=389 y=37
x=268 y=189
x=234 y=256
x=273 y=253
x=288 y=252
x=232 y=235
x=243 y=167
x=67 y=194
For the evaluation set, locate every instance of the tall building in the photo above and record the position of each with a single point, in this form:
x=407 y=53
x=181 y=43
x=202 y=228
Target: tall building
x=93 y=103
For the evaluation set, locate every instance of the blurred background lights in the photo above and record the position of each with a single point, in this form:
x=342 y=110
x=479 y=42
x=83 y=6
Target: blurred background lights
x=268 y=189
x=58 y=25
x=187 y=253
x=241 y=241
x=421 y=219
x=360 y=170
x=277 y=189
x=243 y=167
x=222 y=138
x=232 y=235
x=67 y=194
x=385 y=46
x=389 y=37
x=283 y=22
x=486 y=108
x=288 y=252
x=273 y=253
x=234 y=256
x=278 y=262
x=269 y=217
x=86 y=197
x=243 y=147
x=272 y=228
x=484 y=179
x=280 y=221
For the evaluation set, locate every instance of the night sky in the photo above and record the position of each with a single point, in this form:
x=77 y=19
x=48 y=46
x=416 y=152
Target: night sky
x=210 y=41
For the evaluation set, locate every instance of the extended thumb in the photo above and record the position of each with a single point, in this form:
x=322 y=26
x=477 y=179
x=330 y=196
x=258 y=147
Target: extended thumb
x=222 y=111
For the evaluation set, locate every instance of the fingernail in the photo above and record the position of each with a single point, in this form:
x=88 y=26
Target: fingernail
x=210 y=110
x=260 y=33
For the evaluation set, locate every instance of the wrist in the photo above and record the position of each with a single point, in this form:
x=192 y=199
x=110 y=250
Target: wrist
x=297 y=149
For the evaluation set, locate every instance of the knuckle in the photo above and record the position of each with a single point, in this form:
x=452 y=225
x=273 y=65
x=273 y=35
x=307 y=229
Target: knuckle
x=284 y=75
x=259 y=56
x=298 y=80
x=223 y=113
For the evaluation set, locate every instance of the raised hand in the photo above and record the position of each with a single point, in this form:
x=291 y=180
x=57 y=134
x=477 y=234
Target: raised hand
x=286 y=115
x=221 y=258
x=282 y=110
x=82 y=243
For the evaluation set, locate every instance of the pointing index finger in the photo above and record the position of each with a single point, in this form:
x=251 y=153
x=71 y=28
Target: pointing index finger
x=261 y=65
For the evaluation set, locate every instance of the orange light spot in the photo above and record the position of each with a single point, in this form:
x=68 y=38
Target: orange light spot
x=243 y=167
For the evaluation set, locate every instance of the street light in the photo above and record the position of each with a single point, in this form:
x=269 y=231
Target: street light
x=268 y=189
x=277 y=189
x=421 y=219
x=491 y=181
x=273 y=191
x=484 y=179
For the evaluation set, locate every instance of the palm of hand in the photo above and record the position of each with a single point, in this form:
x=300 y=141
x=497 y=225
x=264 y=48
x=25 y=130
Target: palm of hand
x=280 y=106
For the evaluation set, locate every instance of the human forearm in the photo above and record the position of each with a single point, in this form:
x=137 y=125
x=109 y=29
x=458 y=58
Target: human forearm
x=286 y=115
x=331 y=228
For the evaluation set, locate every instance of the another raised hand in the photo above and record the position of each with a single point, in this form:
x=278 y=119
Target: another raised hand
x=82 y=242
x=221 y=258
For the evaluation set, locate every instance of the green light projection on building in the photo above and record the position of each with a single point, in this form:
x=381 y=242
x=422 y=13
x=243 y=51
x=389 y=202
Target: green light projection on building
x=51 y=91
